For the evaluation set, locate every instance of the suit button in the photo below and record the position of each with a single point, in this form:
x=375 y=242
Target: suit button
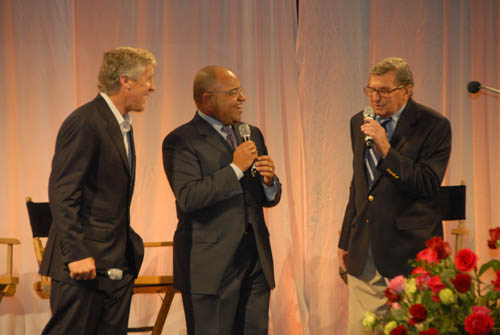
x=370 y=198
x=367 y=221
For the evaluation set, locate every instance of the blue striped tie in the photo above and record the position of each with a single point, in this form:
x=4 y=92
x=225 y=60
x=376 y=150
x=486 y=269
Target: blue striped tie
x=371 y=157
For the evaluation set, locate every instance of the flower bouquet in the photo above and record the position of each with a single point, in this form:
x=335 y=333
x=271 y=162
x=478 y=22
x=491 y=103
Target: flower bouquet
x=442 y=295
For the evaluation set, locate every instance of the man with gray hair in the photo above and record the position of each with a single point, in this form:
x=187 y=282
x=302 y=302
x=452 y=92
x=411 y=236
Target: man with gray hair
x=400 y=153
x=90 y=191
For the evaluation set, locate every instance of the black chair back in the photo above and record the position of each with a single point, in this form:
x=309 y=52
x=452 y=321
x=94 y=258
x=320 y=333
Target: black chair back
x=451 y=201
x=40 y=218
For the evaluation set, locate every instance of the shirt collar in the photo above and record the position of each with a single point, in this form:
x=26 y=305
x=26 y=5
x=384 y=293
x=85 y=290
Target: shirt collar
x=125 y=122
x=214 y=122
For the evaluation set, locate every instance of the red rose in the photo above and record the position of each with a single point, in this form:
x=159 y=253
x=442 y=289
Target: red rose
x=399 y=330
x=495 y=236
x=418 y=313
x=478 y=323
x=427 y=255
x=430 y=331
x=435 y=284
x=389 y=294
x=440 y=247
x=462 y=282
x=496 y=283
x=466 y=260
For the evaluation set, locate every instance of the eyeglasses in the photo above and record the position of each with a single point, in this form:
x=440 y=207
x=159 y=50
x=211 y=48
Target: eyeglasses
x=232 y=92
x=383 y=92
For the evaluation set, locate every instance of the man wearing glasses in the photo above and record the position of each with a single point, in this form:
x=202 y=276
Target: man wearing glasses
x=222 y=256
x=390 y=213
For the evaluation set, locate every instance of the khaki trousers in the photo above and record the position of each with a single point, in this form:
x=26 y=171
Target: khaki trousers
x=366 y=294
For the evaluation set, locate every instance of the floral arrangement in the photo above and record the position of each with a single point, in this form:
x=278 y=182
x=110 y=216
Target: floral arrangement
x=442 y=295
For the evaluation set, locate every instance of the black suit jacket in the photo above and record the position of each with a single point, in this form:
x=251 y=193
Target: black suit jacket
x=213 y=206
x=90 y=190
x=399 y=213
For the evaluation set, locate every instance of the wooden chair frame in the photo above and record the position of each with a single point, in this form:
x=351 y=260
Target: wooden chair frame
x=8 y=282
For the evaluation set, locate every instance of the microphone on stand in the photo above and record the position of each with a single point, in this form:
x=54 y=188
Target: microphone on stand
x=368 y=112
x=475 y=86
x=245 y=135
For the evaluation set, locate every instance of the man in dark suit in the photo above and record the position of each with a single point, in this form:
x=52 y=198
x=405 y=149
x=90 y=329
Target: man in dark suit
x=222 y=256
x=391 y=211
x=90 y=191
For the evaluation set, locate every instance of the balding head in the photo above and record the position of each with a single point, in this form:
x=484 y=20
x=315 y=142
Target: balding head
x=218 y=94
x=206 y=79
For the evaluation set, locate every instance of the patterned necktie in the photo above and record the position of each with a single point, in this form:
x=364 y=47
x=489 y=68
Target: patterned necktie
x=371 y=157
x=229 y=136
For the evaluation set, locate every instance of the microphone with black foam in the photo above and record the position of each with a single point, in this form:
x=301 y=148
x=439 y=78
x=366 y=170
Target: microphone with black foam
x=368 y=112
x=475 y=86
x=245 y=135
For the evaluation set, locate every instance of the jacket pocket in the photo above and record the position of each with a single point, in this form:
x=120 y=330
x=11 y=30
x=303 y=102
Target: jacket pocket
x=412 y=223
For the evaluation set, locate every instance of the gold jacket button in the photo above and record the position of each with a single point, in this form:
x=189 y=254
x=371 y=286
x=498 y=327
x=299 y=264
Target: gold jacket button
x=370 y=198
x=367 y=221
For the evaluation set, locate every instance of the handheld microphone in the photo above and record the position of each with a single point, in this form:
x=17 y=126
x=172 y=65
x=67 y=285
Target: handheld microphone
x=245 y=135
x=368 y=112
x=475 y=86
x=113 y=274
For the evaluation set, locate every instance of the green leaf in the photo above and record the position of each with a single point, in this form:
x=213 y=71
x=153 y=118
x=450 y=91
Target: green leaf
x=494 y=264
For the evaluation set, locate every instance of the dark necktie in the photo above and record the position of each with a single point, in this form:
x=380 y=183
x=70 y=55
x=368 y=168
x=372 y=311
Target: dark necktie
x=371 y=157
x=229 y=136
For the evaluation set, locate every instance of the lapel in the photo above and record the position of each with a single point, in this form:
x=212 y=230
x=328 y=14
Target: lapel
x=211 y=136
x=403 y=130
x=115 y=133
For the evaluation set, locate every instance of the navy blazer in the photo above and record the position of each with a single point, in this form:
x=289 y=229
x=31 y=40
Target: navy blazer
x=399 y=213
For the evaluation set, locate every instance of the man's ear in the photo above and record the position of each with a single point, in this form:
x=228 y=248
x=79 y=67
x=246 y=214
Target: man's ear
x=125 y=82
x=208 y=99
x=409 y=91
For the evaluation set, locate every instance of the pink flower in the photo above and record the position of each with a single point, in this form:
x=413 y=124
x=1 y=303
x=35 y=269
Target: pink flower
x=435 y=284
x=479 y=323
x=427 y=255
x=496 y=283
x=394 y=305
x=465 y=260
x=422 y=276
x=397 y=284
x=440 y=247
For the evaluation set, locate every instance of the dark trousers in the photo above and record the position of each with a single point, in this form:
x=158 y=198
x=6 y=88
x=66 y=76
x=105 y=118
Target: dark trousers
x=85 y=310
x=241 y=305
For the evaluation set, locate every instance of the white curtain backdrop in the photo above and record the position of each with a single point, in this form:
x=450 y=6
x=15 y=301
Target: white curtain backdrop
x=303 y=79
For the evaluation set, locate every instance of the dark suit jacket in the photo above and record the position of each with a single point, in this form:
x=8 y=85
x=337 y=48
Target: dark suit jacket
x=213 y=207
x=399 y=213
x=90 y=190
